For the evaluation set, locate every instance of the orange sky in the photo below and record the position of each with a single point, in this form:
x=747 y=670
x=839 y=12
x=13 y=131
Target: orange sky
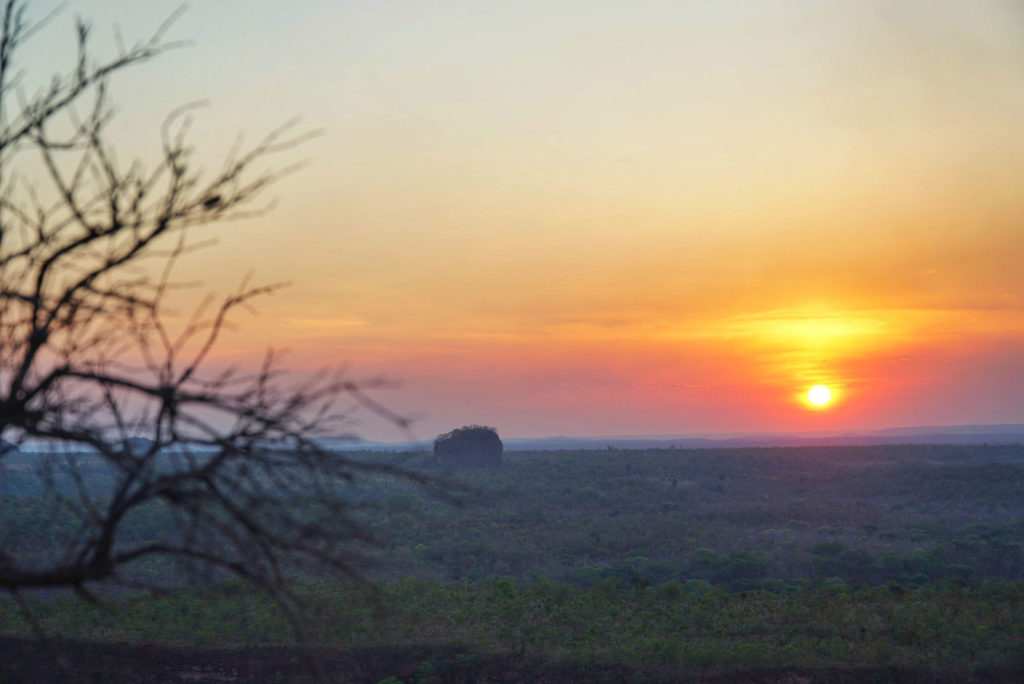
x=620 y=218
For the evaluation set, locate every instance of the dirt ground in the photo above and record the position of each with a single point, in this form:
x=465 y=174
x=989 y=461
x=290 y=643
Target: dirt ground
x=29 y=661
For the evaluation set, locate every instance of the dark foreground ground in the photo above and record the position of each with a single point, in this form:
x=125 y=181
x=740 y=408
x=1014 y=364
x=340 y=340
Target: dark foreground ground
x=29 y=661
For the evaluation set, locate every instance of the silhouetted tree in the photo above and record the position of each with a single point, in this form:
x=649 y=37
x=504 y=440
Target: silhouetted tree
x=472 y=445
x=91 y=368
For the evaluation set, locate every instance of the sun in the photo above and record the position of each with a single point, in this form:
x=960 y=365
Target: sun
x=819 y=395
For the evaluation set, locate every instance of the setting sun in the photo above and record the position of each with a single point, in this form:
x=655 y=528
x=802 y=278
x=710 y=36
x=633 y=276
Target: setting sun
x=700 y=251
x=819 y=395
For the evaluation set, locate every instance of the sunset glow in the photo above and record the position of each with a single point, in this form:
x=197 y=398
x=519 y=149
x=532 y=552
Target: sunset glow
x=672 y=218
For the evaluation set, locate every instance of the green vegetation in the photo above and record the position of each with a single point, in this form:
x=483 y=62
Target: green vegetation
x=652 y=631
x=739 y=518
x=659 y=562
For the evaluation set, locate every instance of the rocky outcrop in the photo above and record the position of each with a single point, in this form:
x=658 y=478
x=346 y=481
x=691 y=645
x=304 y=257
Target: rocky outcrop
x=472 y=445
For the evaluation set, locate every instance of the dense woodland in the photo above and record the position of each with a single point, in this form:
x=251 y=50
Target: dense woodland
x=901 y=561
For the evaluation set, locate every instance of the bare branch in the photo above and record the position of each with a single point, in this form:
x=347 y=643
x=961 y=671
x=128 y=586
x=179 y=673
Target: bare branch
x=91 y=363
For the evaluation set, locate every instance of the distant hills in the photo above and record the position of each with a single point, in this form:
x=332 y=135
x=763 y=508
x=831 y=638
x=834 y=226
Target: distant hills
x=938 y=434
x=944 y=434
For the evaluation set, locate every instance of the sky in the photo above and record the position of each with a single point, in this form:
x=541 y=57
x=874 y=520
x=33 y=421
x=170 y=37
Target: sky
x=614 y=218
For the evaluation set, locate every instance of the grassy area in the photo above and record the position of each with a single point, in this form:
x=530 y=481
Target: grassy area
x=648 y=632
x=817 y=564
